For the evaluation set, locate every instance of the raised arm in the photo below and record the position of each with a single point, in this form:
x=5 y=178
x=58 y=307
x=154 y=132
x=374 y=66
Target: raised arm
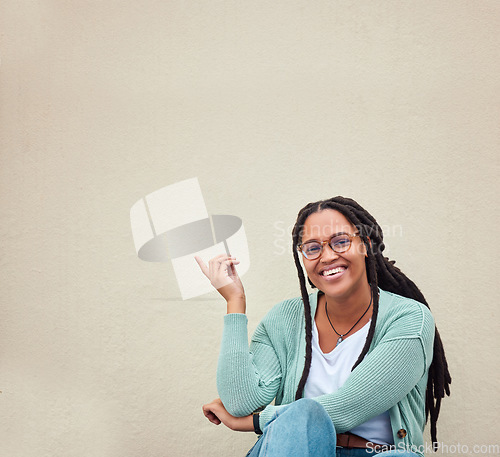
x=244 y=383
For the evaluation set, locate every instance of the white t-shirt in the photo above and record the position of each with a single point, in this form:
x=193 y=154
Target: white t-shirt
x=329 y=372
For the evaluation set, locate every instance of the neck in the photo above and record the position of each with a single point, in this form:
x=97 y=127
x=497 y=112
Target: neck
x=348 y=309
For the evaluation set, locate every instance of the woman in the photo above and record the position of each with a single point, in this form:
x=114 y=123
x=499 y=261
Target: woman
x=355 y=367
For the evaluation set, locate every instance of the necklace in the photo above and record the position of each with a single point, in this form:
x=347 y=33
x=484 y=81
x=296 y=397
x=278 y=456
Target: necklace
x=341 y=337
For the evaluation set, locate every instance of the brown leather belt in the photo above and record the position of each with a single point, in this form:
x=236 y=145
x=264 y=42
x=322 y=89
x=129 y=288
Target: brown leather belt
x=348 y=440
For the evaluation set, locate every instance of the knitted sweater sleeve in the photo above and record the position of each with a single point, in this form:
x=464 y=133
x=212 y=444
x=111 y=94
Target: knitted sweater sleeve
x=385 y=376
x=247 y=377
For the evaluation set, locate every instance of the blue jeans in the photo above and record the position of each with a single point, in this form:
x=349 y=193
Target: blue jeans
x=304 y=429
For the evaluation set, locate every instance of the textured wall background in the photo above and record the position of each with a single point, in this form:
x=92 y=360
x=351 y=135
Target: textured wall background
x=271 y=105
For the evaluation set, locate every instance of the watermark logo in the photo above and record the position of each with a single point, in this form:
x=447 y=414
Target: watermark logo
x=173 y=224
x=459 y=449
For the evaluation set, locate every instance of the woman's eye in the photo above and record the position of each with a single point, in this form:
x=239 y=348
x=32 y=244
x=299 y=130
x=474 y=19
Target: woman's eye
x=341 y=241
x=312 y=249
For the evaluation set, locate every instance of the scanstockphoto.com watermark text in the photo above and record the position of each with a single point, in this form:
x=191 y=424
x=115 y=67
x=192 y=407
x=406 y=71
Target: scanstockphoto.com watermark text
x=283 y=235
x=443 y=448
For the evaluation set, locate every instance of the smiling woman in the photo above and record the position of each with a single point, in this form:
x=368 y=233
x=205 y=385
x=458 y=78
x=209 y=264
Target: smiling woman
x=355 y=366
x=340 y=271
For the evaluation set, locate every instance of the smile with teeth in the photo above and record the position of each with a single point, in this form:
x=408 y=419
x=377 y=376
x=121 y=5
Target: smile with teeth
x=333 y=271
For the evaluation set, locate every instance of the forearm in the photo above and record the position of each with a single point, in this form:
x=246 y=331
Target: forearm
x=377 y=384
x=216 y=413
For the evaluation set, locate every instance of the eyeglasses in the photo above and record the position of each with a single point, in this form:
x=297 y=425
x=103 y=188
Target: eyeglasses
x=340 y=242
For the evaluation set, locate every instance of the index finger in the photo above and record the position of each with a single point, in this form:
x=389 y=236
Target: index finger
x=202 y=265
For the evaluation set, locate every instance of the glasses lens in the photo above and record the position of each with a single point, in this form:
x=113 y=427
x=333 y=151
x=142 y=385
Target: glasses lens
x=340 y=243
x=311 y=250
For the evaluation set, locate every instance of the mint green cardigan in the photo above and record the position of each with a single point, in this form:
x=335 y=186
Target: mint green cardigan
x=392 y=376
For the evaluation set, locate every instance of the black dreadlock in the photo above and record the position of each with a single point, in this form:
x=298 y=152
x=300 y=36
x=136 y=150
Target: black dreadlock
x=381 y=272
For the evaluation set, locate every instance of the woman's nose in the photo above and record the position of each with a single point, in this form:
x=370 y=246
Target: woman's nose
x=328 y=254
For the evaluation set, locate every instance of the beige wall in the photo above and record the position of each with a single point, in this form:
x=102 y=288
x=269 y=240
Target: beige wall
x=270 y=105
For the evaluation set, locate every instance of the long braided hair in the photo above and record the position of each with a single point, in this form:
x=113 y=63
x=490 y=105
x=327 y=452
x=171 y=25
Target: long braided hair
x=381 y=272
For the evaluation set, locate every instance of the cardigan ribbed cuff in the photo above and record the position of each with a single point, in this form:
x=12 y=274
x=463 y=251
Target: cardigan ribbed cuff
x=267 y=414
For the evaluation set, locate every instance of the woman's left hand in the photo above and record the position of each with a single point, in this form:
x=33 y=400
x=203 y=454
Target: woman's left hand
x=216 y=413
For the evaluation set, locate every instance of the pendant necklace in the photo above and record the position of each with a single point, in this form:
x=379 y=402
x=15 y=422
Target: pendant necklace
x=341 y=337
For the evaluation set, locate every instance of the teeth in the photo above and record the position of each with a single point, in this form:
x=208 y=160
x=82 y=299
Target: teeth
x=332 y=272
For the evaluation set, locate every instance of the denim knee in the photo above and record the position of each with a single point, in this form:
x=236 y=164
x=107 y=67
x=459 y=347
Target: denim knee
x=301 y=428
x=308 y=405
x=311 y=410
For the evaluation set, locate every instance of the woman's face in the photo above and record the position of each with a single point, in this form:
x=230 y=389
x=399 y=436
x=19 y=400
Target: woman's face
x=337 y=275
